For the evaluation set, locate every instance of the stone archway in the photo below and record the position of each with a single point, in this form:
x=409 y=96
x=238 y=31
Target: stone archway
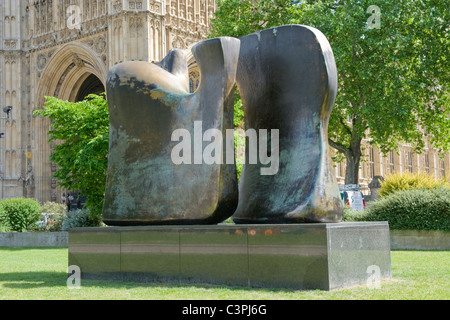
x=69 y=67
x=75 y=69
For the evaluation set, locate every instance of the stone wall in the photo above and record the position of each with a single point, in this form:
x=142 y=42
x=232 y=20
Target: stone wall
x=34 y=239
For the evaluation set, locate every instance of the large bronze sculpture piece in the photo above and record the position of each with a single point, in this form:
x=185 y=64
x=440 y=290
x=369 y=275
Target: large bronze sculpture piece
x=151 y=111
x=157 y=171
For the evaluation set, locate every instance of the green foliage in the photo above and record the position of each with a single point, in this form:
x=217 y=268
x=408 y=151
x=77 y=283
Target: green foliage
x=53 y=207
x=55 y=221
x=239 y=135
x=81 y=131
x=352 y=215
x=238 y=18
x=228 y=221
x=388 y=77
x=238 y=116
x=239 y=145
x=4 y=227
x=80 y=218
x=19 y=214
x=53 y=215
x=407 y=180
x=411 y=209
x=391 y=80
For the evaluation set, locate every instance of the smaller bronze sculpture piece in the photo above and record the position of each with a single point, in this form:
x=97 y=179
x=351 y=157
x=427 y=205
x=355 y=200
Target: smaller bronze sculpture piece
x=287 y=80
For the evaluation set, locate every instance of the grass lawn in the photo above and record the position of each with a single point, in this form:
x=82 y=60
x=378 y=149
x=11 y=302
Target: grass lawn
x=35 y=273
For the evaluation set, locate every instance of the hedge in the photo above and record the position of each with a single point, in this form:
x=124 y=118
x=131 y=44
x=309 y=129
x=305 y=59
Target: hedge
x=412 y=209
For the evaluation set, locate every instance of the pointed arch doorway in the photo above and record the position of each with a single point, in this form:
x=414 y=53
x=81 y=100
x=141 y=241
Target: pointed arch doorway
x=90 y=85
x=73 y=72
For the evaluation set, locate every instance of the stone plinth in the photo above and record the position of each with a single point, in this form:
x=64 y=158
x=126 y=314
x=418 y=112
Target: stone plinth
x=323 y=256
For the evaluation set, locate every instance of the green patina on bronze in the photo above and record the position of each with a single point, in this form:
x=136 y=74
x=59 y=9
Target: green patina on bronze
x=147 y=102
x=287 y=80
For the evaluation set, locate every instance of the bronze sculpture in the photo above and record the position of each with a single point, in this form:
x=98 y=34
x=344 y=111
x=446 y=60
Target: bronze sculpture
x=156 y=173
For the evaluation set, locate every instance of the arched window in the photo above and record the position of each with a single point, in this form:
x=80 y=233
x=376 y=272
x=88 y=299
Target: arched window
x=194 y=80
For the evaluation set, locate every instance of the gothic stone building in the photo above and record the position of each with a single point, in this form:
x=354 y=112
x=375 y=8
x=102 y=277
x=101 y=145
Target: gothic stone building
x=64 y=48
x=376 y=164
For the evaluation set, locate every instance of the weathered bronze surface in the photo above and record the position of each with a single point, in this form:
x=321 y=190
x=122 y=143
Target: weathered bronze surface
x=287 y=80
x=147 y=103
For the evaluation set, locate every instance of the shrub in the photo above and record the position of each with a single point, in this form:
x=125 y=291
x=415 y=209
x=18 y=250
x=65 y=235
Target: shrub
x=53 y=215
x=413 y=209
x=351 y=214
x=19 y=214
x=403 y=181
x=54 y=207
x=80 y=218
x=4 y=228
x=55 y=221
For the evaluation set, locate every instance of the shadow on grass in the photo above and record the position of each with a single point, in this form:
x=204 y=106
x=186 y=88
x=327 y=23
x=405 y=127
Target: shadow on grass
x=49 y=279
x=34 y=279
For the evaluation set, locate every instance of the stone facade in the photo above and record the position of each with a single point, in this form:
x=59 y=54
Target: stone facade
x=375 y=164
x=64 y=48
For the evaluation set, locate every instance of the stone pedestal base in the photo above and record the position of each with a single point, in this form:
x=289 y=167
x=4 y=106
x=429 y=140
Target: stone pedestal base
x=323 y=256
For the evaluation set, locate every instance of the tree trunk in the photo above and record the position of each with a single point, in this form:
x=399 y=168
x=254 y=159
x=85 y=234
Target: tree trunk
x=352 y=171
x=353 y=157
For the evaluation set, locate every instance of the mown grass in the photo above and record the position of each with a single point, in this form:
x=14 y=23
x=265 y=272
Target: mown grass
x=41 y=273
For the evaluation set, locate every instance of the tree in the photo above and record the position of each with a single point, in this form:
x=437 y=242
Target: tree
x=81 y=131
x=237 y=18
x=393 y=67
